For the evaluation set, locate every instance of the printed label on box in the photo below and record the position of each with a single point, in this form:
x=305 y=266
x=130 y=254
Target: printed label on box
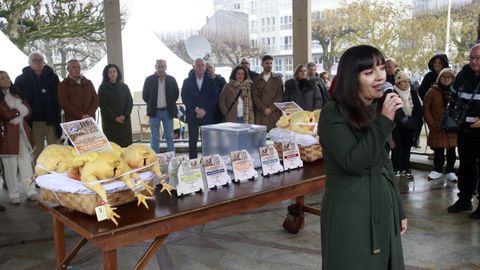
x=291 y=156
x=215 y=171
x=242 y=164
x=270 y=161
x=190 y=178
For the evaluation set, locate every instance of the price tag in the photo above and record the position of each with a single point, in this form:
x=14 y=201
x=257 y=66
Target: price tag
x=190 y=178
x=291 y=156
x=270 y=161
x=173 y=168
x=215 y=171
x=101 y=212
x=242 y=164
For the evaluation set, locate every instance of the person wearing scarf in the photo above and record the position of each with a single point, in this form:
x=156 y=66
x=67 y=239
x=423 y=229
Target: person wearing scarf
x=15 y=141
x=434 y=104
x=404 y=133
x=236 y=98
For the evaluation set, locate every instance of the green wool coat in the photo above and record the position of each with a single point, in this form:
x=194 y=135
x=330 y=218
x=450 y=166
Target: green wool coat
x=116 y=100
x=361 y=208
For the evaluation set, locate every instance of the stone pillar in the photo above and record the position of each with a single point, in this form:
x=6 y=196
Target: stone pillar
x=113 y=30
x=302 y=31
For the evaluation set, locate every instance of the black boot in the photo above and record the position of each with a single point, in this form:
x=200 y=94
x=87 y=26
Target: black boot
x=2 y=207
x=460 y=205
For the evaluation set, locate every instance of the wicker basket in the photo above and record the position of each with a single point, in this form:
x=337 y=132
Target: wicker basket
x=86 y=203
x=307 y=153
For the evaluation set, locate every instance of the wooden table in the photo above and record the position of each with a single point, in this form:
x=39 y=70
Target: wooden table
x=170 y=214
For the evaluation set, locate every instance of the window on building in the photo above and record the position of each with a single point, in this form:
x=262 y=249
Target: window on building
x=278 y=65
x=288 y=64
x=286 y=43
x=285 y=22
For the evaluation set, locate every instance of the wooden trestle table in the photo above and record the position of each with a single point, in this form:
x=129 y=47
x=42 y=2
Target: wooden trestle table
x=170 y=214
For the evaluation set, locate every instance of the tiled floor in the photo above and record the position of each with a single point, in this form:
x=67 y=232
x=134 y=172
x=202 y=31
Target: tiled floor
x=256 y=240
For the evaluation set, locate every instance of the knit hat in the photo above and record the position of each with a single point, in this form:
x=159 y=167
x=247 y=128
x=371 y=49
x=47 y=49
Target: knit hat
x=445 y=71
x=401 y=76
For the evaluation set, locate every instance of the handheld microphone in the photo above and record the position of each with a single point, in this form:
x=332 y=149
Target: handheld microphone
x=399 y=114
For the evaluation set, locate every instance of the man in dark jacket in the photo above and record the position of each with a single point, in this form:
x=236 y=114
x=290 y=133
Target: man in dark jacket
x=40 y=83
x=390 y=68
x=466 y=84
x=246 y=64
x=200 y=96
x=220 y=83
x=160 y=92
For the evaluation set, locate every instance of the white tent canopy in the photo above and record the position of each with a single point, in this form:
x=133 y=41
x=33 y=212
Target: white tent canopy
x=141 y=47
x=12 y=59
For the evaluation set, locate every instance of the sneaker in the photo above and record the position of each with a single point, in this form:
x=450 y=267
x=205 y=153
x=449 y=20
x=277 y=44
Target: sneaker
x=433 y=175
x=452 y=177
x=476 y=213
x=15 y=201
x=398 y=174
x=459 y=206
x=32 y=198
x=408 y=175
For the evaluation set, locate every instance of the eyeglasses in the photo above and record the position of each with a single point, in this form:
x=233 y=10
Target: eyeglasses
x=473 y=57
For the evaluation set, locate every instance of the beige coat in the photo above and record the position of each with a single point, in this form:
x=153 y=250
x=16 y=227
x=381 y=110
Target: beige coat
x=227 y=98
x=433 y=107
x=264 y=94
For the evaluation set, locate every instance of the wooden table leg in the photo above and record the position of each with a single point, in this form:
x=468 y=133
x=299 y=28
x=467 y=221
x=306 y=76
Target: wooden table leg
x=74 y=252
x=150 y=252
x=110 y=259
x=59 y=238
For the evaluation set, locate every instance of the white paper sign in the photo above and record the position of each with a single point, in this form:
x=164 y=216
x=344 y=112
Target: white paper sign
x=164 y=159
x=173 y=168
x=101 y=212
x=86 y=136
x=215 y=171
x=291 y=156
x=270 y=161
x=288 y=107
x=190 y=178
x=242 y=164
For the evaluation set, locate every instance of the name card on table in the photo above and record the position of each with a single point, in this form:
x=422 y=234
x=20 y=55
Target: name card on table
x=270 y=161
x=190 y=178
x=173 y=168
x=242 y=164
x=164 y=159
x=291 y=156
x=215 y=171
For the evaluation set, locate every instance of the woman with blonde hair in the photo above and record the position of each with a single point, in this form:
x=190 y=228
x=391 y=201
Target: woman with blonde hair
x=236 y=98
x=303 y=91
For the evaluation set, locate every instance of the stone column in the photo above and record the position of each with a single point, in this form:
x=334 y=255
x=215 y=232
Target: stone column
x=302 y=32
x=113 y=29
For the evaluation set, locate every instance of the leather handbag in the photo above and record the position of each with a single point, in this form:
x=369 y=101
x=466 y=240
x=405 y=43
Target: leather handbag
x=295 y=218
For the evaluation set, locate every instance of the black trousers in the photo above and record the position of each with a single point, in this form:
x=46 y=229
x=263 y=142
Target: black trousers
x=192 y=140
x=401 y=152
x=439 y=159
x=469 y=153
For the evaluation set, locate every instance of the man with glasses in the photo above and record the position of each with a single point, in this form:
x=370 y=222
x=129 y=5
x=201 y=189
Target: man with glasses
x=39 y=82
x=467 y=83
x=244 y=63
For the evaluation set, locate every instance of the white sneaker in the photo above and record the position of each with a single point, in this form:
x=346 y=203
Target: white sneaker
x=433 y=175
x=452 y=177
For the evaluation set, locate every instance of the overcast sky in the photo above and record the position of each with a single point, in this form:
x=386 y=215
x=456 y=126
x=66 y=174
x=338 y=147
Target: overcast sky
x=169 y=16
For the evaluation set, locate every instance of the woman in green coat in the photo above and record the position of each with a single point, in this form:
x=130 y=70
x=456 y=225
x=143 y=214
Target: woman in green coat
x=116 y=104
x=362 y=215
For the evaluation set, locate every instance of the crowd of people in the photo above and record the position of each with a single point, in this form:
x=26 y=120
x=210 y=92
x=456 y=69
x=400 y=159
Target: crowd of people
x=369 y=123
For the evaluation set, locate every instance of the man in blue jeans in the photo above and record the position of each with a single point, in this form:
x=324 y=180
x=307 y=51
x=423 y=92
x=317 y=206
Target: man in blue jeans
x=160 y=92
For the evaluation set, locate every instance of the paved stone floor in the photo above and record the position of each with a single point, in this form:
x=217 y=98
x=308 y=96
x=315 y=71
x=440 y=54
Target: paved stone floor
x=256 y=240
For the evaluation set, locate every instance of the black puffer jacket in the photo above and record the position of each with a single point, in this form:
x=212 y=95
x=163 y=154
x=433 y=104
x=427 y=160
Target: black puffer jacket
x=303 y=92
x=41 y=95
